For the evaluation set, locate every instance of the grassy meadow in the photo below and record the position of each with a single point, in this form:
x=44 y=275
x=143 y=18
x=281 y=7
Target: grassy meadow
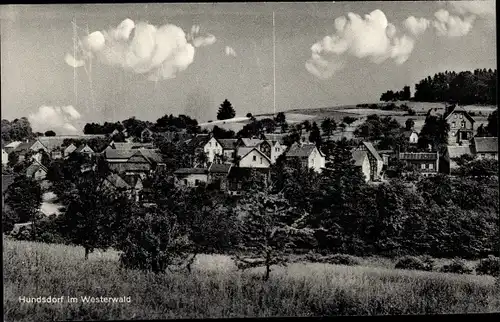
x=215 y=289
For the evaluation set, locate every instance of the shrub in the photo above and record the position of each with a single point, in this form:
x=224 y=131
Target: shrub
x=416 y=263
x=411 y=112
x=337 y=259
x=489 y=266
x=457 y=266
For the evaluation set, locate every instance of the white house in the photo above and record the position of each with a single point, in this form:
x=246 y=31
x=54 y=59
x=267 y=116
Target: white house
x=191 y=177
x=69 y=149
x=309 y=156
x=5 y=157
x=361 y=160
x=11 y=146
x=84 y=148
x=252 y=158
x=277 y=149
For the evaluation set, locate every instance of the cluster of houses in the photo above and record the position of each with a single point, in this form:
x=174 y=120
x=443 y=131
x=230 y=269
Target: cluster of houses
x=228 y=162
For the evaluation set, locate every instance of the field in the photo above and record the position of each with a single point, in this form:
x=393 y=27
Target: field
x=215 y=289
x=339 y=112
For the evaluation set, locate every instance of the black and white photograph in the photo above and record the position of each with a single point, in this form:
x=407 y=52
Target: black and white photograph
x=249 y=160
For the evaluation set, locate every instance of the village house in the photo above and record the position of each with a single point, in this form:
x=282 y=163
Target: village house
x=308 y=155
x=84 y=148
x=197 y=143
x=220 y=147
x=23 y=149
x=461 y=124
x=191 y=177
x=376 y=161
x=485 y=147
x=361 y=160
x=218 y=174
x=411 y=136
x=130 y=162
x=129 y=145
x=5 y=157
x=453 y=152
x=271 y=148
x=424 y=162
x=69 y=149
x=11 y=146
x=36 y=171
x=252 y=157
x=132 y=184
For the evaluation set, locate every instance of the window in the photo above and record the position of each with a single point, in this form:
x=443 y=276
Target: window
x=431 y=166
x=185 y=182
x=461 y=116
x=260 y=160
x=453 y=124
x=196 y=182
x=463 y=123
x=210 y=144
x=455 y=116
x=422 y=166
x=254 y=158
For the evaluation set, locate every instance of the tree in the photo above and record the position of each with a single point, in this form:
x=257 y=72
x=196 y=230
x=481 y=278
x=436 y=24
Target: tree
x=268 y=230
x=315 y=135
x=50 y=133
x=91 y=213
x=280 y=118
x=409 y=124
x=24 y=197
x=118 y=137
x=328 y=126
x=13 y=159
x=406 y=95
x=492 y=126
x=349 y=120
x=307 y=125
x=481 y=131
x=226 y=111
x=220 y=133
x=249 y=115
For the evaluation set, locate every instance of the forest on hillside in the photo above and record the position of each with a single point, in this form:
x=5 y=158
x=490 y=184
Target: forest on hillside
x=466 y=87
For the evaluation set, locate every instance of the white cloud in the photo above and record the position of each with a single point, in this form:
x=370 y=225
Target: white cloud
x=416 y=26
x=230 y=51
x=158 y=52
x=58 y=119
x=452 y=26
x=70 y=60
x=484 y=8
x=372 y=37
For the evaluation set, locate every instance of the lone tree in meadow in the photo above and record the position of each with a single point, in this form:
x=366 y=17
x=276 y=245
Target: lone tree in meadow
x=226 y=111
x=268 y=230
x=50 y=133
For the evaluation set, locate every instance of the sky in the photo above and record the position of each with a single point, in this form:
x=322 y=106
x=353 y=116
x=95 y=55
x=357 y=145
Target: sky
x=148 y=60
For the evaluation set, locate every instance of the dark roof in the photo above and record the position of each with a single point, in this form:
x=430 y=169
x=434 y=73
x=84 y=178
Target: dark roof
x=458 y=109
x=117 y=181
x=219 y=168
x=34 y=167
x=129 y=166
x=418 y=156
x=227 y=143
x=275 y=137
x=455 y=151
x=191 y=171
x=358 y=157
x=301 y=150
x=250 y=142
x=372 y=150
x=81 y=147
x=118 y=153
x=485 y=144
x=6 y=181
x=24 y=147
x=198 y=141
x=130 y=145
x=151 y=155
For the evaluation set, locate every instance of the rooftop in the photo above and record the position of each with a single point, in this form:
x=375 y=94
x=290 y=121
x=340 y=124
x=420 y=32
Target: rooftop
x=418 y=156
x=228 y=143
x=485 y=144
x=191 y=171
x=301 y=150
x=219 y=168
x=359 y=157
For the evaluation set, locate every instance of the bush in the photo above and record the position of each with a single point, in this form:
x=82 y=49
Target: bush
x=337 y=259
x=416 y=263
x=249 y=114
x=47 y=231
x=411 y=112
x=489 y=266
x=457 y=266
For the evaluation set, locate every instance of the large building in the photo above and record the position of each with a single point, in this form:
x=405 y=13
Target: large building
x=461 y=124
x=308 y=155
x=425 y=163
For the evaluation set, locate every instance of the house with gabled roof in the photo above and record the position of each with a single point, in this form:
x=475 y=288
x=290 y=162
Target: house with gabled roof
x=251 y=157
x=69 y=149
x=197 y=143
x=217 y=175
x=485 y=147
x=461 y=125
x=146 y=135
x=427 y=163
x=220 y=147
x=36 y=171
x=129 y=162
x=23 y=149
x=191 y=177
x=84 y=148
x=308 y=154
x=362 y=161
x=11 y=146
x=376 y=161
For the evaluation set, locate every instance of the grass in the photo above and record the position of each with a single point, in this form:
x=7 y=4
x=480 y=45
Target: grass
x=216 y=289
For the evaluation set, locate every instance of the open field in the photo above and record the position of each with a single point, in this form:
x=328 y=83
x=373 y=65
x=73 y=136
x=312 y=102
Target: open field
x=215 y=289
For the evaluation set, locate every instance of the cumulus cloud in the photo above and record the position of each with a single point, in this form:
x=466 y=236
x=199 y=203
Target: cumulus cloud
x=230 y=51
x=157 y=52
x=372 y=37
x=452 y=26
x=59 y=119
x=479 y=8
x=416 y=26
